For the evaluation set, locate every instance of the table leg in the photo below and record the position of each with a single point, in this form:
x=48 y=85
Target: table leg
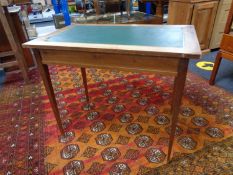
x=84 y=76
x=44 y=72
x=176 y=101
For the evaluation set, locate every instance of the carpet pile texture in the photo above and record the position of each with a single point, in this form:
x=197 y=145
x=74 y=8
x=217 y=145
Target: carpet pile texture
x=124 y=130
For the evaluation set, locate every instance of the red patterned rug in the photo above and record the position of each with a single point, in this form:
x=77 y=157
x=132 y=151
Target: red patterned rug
x=124 y=130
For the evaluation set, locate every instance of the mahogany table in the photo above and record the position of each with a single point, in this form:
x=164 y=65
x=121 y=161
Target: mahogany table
x=163 y=49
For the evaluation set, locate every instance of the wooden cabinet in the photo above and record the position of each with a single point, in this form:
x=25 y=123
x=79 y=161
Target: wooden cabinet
x=220 y=22
x=180 y=13
x=203 y=20
x=200 y=13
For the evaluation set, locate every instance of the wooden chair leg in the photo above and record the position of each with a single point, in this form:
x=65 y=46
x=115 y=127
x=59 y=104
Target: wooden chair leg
x=22 y=65
x=215 y=69
x=44 y=72
x=84 y=76
x=176 y=101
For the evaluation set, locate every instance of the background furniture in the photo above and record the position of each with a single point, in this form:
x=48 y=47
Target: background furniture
x=112 y=18
x=21 y=1
x=226 y=47
x=21 y=34
x=159 y=7
x=15 y=46
x=113 y=6
x=103 y=15
x=220 y=22
x=200 y=13
x=61 y=6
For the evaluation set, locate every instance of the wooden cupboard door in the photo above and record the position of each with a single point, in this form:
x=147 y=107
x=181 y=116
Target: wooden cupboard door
x=220 y=22
x=180 y=13
x=203 y=19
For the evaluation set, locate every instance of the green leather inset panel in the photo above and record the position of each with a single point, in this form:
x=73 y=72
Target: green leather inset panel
x=163 y=36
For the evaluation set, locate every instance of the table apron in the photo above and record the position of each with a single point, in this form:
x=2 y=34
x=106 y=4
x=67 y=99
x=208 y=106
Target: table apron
x=141 y=63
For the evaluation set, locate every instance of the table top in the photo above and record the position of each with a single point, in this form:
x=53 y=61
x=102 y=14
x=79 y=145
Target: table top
x=179 y=40
x=122 y=35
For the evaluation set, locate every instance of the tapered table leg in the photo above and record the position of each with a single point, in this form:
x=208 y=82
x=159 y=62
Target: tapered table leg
x=84 y=76
x=176 y=101
x=44 y=72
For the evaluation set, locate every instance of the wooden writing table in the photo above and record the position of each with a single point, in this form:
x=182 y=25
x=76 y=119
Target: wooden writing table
x=161 y=49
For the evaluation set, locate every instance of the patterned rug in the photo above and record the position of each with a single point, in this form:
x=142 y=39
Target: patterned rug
x=21 y=128
x=214 y=159
x=124 y=130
